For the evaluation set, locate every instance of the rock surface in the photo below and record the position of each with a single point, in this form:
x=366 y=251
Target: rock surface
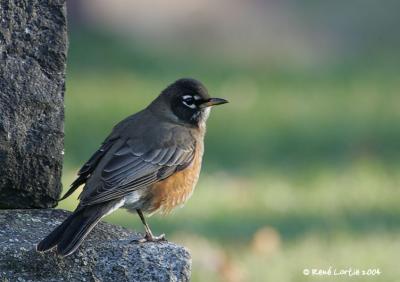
x=33 y=46
x=107 y=254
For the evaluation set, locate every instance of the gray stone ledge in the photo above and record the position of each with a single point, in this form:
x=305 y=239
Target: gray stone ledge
x=107 y=254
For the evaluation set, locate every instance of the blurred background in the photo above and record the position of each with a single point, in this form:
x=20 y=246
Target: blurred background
x=301 y=168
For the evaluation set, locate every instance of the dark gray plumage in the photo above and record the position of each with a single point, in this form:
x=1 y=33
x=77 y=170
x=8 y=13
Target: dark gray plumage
x=142 y=150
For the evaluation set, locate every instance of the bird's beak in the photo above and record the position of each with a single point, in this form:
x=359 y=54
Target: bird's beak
x=213 y=102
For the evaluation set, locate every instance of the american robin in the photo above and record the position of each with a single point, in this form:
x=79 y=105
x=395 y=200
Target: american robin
x=149 y=163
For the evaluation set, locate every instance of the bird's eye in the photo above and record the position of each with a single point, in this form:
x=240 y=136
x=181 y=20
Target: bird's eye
x=188 y=101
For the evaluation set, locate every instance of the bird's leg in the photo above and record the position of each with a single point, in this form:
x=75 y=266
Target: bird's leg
x=149 y=237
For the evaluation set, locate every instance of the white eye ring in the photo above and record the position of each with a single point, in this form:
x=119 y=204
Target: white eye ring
x=188 y=97
x=192 y=106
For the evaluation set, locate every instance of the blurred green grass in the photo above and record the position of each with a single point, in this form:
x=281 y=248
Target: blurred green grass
x=276 y=116
x=311 y=153
x=342 y=218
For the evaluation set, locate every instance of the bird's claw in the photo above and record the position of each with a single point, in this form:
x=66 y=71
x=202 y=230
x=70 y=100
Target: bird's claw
x=150 y=238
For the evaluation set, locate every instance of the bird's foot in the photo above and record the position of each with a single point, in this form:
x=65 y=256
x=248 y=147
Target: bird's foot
x=151 y=238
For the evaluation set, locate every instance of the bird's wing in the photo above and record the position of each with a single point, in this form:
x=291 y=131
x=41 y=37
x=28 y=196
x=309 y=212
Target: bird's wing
x=129 y=169
x=88 y=168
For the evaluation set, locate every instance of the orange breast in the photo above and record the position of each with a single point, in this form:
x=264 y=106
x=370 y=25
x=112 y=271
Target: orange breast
x=176 y=189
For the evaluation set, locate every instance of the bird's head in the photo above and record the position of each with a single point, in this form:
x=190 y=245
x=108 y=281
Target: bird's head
x=186 y=101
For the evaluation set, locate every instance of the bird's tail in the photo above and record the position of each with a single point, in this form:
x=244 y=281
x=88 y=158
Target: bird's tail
x=71 y=233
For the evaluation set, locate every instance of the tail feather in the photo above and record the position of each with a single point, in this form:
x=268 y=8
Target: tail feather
x=70 y=234
x=54 y=237
x=78 y=230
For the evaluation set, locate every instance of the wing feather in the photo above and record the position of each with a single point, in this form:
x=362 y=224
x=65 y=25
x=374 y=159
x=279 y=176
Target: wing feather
x=88 y=168
x=129 y=170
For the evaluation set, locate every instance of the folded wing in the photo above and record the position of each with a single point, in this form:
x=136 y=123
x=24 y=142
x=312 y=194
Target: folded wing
x=87 y=169
x=128 y=170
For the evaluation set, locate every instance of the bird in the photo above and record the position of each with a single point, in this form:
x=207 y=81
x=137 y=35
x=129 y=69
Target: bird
x=150 y=163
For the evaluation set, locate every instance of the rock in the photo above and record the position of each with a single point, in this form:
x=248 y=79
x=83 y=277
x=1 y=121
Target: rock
x=33 y=45
x=107 y=254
